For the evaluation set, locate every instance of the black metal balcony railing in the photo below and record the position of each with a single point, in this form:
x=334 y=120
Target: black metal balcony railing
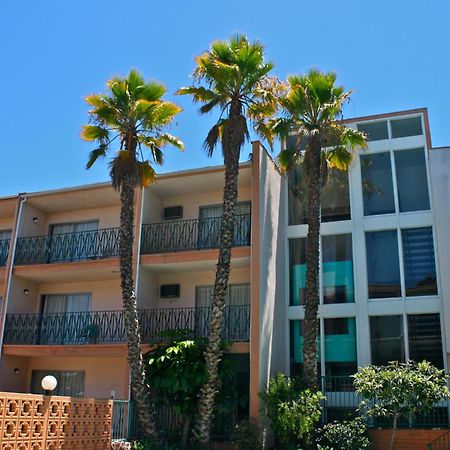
x=66 y=247
x=4 y=250
x=94 y=327
x=196 y=234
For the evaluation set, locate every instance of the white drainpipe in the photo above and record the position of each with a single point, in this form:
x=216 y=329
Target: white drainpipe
x=23 y=199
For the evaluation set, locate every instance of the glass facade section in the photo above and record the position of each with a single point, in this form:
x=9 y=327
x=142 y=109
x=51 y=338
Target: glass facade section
x=418 y=260
x=337 y=269
x=375 y=131
x=296 y=348
x=412 y=126
x=387 y=339
x=335 y=197
x=378 y=191
x=70 y=383
x=383 y=269
x=340 y=347
x=424 y=337
x=297 y=271
x=411 y=180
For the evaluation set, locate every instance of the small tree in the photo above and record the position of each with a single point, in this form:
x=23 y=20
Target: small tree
x=400 y=389
x=293 y=412
x=177 y=370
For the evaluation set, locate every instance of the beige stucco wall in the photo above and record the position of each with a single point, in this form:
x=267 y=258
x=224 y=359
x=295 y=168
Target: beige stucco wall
x=18 y=301
x=6 y=223
x=27 y=227
x=149 y=297
x=154 y=205
x=11 y=381
x=106 y=294
x=102 y=374
x=107 y=217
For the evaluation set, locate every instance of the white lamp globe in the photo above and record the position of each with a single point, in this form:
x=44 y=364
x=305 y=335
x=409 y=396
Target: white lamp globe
x=49 y=383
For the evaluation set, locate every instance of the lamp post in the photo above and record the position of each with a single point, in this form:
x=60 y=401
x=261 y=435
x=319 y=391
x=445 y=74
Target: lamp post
x=49 y=383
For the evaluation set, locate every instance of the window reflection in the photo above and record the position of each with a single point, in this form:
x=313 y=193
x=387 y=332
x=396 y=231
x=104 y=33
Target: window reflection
x=411 y=180
x=418 y=260
x=378 y=192
x=386 y=339
x=383 y=270
x=337 y=269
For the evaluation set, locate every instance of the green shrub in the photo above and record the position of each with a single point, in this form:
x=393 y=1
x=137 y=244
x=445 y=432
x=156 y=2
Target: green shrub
x=247 y=436
x=345 y=435
x=291 y=410
x=150 y=444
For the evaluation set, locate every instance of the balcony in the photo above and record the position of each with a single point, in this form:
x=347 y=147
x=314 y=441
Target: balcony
x=4 y=250
x=108 y=327
x=195 y=234
x=67 y=247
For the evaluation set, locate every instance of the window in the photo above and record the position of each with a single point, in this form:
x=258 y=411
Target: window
x=74 y=241
x=297 y=271
x=412 y=126
x=418 y=260
x=65 y=319
x=337 y=269
x=411 y=180
x=424 y=337
x=5 y=236
x=335 y=197
x=210 y=219
x=387 y=339
x=70 y=383
x=383 y=269
x=375 y=131
x=296 y=347
x=340 y=346
x=378 y=191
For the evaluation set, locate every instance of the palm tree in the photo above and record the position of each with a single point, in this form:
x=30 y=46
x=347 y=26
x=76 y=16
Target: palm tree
x=132 y=117
x=312 y=109
x=231 y=76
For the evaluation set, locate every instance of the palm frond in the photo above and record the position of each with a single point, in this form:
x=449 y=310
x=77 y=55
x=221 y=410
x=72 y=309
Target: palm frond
x=99 y=152
x=94 y=133
x=147 y=174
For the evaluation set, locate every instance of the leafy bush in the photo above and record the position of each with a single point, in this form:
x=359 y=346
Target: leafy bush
x=247 y=436
x=150 y=444
x=292 y=411
x=345 y=435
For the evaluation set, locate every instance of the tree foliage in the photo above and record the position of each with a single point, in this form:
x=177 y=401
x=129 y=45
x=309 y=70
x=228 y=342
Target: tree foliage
x=292 y=411
x=400 y=389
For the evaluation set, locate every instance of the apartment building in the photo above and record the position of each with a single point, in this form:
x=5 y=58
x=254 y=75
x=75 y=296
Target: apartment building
x=384 y=264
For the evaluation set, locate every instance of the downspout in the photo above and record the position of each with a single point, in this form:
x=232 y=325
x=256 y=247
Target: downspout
x=10 y=266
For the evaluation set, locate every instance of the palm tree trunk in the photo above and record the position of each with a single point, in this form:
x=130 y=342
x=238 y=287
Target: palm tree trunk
x=231 y=148
x=140 y=389
x=310 y=325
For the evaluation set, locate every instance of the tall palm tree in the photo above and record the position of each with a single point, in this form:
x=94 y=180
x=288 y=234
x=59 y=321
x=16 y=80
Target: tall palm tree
x=129 y=120
x=312 y=108
x=232 y=77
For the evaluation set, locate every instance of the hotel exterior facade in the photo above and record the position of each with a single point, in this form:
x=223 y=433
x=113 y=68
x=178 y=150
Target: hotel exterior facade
x=385 y=265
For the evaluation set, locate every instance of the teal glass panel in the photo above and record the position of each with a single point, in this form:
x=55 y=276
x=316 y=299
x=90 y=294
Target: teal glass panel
x=337 y=269
x=297 y=271
x=340 y=346
x=296 y=347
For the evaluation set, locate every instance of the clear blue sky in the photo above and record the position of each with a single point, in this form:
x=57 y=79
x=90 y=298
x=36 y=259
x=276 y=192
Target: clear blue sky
x=394 y=54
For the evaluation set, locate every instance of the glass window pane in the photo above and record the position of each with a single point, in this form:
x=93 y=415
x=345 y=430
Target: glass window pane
x=424 y=337
x=411 y=180
x=340 y=346
x=406 y=127
x=386 y=339
x=70 y=383
x=297 y=271
x=296 y=347
x=418 y=259
x=337 y=269
x=335 y=198
x=375 y=131
x=377 y=185
x=383 y=270
x=297 y=191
